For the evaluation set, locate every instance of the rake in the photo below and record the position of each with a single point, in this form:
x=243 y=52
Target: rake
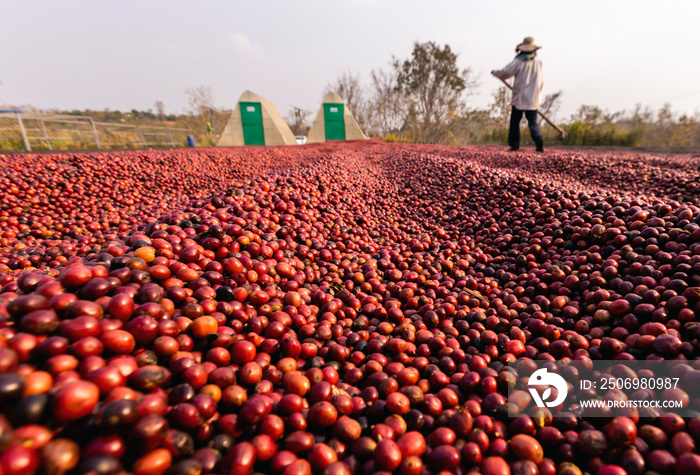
x=562 y=133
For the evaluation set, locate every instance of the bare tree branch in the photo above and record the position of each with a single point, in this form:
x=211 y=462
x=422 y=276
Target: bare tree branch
x=349 y=87
x=200 y=99
x=550 y=105
x=500 y=107
x=160 y=109
x=387 y=107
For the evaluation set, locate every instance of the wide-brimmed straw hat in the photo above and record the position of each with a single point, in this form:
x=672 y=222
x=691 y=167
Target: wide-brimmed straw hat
x=527 y=46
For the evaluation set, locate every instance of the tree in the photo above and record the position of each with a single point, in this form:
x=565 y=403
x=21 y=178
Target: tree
x=386 y=109
x=665 y=121
x=160 y=110
x=201 y=105
x=587 y=114
x=349 y=87
x=550 y=105
x=683 y=132
x=435 y=88
x=641 y=116
x=200 y=99
x=500 y=107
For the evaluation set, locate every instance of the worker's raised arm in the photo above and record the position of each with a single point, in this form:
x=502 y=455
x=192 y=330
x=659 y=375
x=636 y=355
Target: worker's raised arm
x=508 y=71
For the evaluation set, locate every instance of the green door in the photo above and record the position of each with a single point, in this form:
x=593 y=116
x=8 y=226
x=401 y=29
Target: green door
x=251 y=118
x=333 y=121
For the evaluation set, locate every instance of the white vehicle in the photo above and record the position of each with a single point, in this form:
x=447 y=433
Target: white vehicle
x=301 y=139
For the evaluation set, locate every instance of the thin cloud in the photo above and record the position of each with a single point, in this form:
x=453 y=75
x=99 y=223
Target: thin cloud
x=242 y=45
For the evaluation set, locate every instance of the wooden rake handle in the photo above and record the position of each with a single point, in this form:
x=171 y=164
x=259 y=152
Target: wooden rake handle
x=562 y=133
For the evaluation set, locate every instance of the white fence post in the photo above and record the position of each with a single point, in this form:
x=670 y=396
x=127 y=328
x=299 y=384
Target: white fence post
x=46 y=136
x=24 y=133
x=94 y=132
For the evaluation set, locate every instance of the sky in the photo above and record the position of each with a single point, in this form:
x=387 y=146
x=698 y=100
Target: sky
x=127 y=54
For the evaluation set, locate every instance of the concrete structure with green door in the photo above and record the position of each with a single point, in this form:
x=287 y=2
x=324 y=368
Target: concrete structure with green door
x=334 y=122
x=255 y=121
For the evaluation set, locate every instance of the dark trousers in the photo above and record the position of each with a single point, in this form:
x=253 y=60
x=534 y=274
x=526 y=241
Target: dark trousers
x=516 y=116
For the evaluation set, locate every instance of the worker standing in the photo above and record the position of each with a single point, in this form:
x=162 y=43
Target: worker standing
x=527 y=88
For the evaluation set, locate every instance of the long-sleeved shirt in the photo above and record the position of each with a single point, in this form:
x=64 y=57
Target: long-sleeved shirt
x=527 y=85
